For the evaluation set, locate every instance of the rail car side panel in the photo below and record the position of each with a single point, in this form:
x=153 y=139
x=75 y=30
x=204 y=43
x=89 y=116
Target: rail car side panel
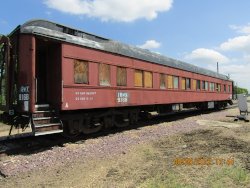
x=91 y=95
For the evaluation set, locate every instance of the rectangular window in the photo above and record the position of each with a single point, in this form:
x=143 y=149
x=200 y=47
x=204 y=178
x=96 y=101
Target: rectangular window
x=138 y=78
x=218 y=87
x=121 y=76
x=212 y=86
x=81 y=72
x=104 y=74
x=229 y=89
x=163 y=81
x=188 y=83
x=203 y=85
x=148 y=79
x=194 y=84
x=170 y=82
x=176 y=82
x=198 y=85
x=206 y=86
x=225 y=88
x=183 y=83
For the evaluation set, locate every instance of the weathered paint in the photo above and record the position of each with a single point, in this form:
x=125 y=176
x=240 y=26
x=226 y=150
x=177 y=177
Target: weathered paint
x=76 y=95
x=26 y=76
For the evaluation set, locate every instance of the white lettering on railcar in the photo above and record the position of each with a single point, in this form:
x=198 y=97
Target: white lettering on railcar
x=24 y=97
x=122 y=97
x=84 y=96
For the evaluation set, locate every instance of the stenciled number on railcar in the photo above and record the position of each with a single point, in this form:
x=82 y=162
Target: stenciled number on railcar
x=84 y=96
x=122 y=97
x=24 y=96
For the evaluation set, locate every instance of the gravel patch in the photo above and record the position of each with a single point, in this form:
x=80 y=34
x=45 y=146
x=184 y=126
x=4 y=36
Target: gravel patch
x=101 y=147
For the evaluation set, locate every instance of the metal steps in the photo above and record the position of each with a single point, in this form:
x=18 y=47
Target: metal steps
x=45 y=121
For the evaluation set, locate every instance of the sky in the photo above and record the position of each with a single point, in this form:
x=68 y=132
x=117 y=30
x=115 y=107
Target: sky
x=197 y=32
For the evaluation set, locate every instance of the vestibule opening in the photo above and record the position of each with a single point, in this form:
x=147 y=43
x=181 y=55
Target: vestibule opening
x=48 y=72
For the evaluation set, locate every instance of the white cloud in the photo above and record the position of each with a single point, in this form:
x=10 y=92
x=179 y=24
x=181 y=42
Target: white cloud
x=237 y=48
x=206 y=56
x=114 y=10
x=241 y=29
x=240 y=43
x=150 y=44
x=238 y=73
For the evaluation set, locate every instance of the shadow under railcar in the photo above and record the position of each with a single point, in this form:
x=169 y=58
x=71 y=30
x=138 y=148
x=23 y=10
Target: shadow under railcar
x=32 y=145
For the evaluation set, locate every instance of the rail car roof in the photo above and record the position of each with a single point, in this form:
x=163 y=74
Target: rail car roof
x=67 y=34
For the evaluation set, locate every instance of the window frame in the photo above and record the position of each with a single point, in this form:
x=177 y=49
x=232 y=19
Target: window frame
x=163 y=77
x=142 y=84
x=145 y=83
x=126 y=77
x=101 y=82
x=178 y=84
x=87 y=72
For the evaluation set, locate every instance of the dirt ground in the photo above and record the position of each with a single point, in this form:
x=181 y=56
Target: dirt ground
x=205 y=150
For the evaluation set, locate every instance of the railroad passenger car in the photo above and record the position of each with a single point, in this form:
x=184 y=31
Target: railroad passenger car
x=56 y=79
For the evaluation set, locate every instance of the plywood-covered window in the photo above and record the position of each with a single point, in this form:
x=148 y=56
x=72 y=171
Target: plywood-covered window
x=183 y=83
x=176 y=82
x=121 y=76
x=163 y=81
x=81 y=72
x=104 y=74
x=170 y=82
x=138 y=78
x=188 y=83
x=194 y=84
x=148 y=79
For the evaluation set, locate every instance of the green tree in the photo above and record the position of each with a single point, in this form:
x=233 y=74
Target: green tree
x=239 y=90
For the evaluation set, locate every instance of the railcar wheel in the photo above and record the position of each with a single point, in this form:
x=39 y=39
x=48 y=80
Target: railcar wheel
x=69 y=131
x=90 y=126
x=120 y=121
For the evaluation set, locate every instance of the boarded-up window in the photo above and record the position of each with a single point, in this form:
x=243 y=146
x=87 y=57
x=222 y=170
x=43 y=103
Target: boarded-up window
x=148 y=79
x=121 y=76
x=104 y=74
x=194 y=84
x=138 y=78
x=176 y=82
x=188 y=83
x=183 y=83
x=170 y=82
x=163 y=81
x=81 y=72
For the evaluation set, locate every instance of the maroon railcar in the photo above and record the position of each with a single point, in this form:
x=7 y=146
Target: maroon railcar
x=53 y=76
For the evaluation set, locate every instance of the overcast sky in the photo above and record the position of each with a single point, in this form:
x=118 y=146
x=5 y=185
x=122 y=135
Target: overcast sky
x=200 y=32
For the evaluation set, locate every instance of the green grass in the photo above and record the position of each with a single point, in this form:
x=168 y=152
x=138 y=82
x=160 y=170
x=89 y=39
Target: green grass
x=236 y=176
x=171 y=180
